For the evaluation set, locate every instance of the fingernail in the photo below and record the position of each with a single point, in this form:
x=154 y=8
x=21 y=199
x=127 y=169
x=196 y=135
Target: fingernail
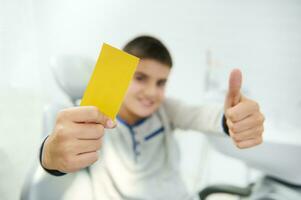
x=110 y=123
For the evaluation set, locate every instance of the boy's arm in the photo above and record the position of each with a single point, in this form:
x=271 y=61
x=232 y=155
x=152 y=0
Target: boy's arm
x=205 y=118
x=48 y=187
x=242 y=116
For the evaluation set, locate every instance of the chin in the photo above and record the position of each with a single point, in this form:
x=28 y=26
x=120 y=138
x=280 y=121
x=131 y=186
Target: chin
x=145 y=112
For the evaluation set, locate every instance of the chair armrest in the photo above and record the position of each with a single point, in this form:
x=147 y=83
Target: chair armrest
x=226 y=189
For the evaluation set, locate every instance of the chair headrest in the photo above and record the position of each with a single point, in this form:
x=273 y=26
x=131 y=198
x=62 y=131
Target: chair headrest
x=72 y=74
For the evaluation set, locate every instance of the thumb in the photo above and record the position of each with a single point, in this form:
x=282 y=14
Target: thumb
x=233 y=95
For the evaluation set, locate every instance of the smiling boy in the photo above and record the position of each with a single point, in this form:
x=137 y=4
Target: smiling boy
x=139 y=157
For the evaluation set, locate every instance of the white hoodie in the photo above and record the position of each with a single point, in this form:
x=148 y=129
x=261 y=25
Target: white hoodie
x=141 y=161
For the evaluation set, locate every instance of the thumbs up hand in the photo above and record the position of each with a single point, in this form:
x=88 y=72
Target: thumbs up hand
x=243 y=116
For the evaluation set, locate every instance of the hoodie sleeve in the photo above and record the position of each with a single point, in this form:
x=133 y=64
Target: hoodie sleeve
x=203 y=118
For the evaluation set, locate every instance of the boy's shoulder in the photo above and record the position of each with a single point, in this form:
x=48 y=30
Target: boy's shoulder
x=171 y=102
x=172 y=105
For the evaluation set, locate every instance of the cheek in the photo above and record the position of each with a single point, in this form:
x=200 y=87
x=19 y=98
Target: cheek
x=134 y=88
x=161 y=94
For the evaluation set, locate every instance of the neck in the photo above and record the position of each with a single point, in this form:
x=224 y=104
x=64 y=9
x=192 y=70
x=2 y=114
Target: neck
x=128 y=117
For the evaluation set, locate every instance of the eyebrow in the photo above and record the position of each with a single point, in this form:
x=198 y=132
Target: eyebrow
x=143 y=74
x=140 y=73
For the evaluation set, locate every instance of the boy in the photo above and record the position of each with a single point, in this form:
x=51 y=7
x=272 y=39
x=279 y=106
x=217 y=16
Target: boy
x=139 y=158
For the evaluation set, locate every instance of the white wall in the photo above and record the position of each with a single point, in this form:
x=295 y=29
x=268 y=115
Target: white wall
x=262 y=37
x=20 y=96
x=78 y=27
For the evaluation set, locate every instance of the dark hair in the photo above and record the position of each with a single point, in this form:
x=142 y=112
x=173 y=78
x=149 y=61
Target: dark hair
x=147 y=47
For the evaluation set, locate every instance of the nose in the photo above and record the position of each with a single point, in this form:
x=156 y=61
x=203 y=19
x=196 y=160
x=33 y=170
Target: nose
x=150 y=91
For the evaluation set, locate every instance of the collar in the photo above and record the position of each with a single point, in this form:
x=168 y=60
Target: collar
x=139 y=122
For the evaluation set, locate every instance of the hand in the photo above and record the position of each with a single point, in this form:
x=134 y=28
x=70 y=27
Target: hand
x=76 y=138
x=244 y=119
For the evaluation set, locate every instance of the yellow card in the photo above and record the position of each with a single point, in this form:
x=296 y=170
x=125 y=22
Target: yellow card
x=110 y=79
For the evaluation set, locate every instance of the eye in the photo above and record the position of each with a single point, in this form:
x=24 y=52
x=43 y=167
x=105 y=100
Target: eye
x=140 y=78
x=161 y=83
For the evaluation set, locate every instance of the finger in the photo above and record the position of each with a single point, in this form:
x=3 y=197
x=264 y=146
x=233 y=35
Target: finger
x=89 y=131
x=248 y=134
x=87 y=114
x=249 y=143
x=233 y=95
x=252 y=121
x=85 y=146
x=242 y=110
x=229 y=124
x=86 y=159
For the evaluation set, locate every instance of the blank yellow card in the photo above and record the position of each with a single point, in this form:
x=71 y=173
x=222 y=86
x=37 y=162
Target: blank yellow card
x=109 y=82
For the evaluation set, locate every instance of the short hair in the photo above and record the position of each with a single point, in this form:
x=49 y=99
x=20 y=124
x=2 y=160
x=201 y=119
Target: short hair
x=147 y=47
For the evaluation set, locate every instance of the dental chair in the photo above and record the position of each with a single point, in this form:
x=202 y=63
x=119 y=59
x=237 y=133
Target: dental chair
x=241 y=192
x=71 y=74
x=278 y=158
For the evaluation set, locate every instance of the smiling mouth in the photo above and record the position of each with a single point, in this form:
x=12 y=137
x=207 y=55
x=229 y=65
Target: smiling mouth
x=147 y=103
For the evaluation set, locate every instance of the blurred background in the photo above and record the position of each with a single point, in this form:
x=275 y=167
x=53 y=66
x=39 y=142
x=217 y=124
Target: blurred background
x=207 y=38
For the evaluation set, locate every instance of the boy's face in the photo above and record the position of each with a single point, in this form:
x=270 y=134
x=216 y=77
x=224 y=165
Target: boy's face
x=146 y=91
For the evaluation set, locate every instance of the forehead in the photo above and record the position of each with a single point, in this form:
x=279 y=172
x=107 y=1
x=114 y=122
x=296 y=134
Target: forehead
x=153 y=69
